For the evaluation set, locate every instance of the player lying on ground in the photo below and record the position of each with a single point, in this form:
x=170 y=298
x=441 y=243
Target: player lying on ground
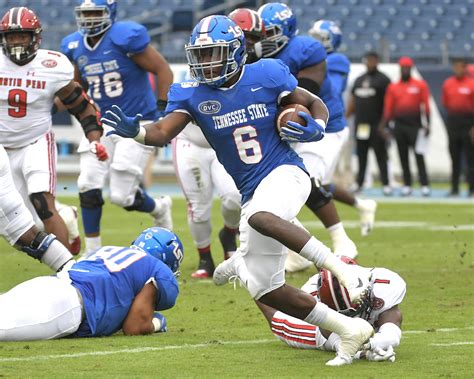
x=235 y=107
x=380 y=309
x=113 y=288
x=18 y=227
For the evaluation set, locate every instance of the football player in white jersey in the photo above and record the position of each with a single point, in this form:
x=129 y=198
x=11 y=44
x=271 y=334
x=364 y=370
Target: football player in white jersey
x=17 y=225
x=199 y=173
x=30 y=78
x=380 y=309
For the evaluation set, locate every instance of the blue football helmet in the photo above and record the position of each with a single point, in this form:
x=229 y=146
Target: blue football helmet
x=161 y=244
x=93 y=17
x=328 y=33
x=280 y=26
x=216 y=50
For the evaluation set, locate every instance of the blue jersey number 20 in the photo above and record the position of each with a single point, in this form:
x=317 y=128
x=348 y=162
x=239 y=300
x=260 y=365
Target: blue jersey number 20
x=117 y=258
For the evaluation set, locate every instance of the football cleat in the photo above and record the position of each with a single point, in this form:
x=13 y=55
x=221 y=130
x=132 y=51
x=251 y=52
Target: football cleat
x=162 y=213
x=367 y=210
x=406 y=191
x=201 y=273
x=358 y=332
x=227 y=270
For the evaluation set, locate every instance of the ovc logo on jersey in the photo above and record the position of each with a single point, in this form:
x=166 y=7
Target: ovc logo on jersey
x=284 y=14
x=210 y=107
x=49 y=63
x=82 y=60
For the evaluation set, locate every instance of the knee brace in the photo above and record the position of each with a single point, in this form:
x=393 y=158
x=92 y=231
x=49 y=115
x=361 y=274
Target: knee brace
x=318 y=196
x=91 y=199
x=137 y=202
x=41 y=205
x=38 y=246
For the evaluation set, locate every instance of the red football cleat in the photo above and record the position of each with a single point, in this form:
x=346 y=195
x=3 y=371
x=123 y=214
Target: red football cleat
x=200 y=274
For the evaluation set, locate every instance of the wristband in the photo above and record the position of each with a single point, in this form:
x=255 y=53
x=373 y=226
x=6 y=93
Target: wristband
x=321 y=122
x=140 y=137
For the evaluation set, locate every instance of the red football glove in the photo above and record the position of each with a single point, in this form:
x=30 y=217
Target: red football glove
x=99 y=150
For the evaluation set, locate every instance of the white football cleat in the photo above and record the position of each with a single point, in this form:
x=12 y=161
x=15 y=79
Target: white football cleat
x=358 y=332
x=356 y=280
x=162 y=213
x=227 y=270
x=367 y=210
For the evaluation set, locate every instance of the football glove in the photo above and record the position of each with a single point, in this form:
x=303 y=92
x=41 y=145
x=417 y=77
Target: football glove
x=294 y=132
x=99 y=150
x=159 y=322
x=121 y=124
x=377 y=355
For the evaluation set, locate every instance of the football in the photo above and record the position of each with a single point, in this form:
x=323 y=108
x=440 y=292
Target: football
x=290 y=113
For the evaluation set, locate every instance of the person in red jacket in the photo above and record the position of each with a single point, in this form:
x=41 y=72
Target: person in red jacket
x=458 y=99
x=407 y=105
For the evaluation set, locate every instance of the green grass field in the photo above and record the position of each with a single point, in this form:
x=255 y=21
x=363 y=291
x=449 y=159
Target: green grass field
x=218 y=332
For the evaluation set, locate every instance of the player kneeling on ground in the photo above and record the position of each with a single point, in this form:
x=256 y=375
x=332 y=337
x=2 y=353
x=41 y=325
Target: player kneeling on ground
x=113 y=288
x=380 y=309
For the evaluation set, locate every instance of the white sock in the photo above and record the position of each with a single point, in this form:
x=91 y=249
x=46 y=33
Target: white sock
x=328 y=319
x=337 y=233
x=201 y=232
x=315 y=251
x=92 y=244
x=56 y=255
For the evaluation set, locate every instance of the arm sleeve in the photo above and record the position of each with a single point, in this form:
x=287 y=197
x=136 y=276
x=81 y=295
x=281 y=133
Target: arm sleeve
x=443 y=94
x=280 y=76
x=177 y=99
x=388 y=103
x=167 y=289
x=426 y=98
x=389 y=334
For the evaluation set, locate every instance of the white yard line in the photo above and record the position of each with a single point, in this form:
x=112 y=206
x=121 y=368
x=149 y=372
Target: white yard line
x=453 y=344
x=199 y=346
x=351 y=224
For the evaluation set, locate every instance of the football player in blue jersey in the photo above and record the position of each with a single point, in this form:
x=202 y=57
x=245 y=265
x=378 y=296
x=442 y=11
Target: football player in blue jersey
x=301 y=54
x=338 y=66
x=235 y=106
x=114 y=59
x=305 y=56
x=113 y=288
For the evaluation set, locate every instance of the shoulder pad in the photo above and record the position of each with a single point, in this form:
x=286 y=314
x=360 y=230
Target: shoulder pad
x=70 y=43
x=182 y=91
x=129 y=35
x=268 y=72
x=388 y=286
x=338 y=62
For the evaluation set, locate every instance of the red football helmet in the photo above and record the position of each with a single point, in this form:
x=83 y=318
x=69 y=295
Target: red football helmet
x=336 y=296
x=252 y=25
x=20 y=20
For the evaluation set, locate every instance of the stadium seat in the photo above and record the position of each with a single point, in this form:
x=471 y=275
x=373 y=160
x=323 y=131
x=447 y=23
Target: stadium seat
x=182 y=20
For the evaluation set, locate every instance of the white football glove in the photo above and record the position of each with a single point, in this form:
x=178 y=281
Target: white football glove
x=377 y=355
